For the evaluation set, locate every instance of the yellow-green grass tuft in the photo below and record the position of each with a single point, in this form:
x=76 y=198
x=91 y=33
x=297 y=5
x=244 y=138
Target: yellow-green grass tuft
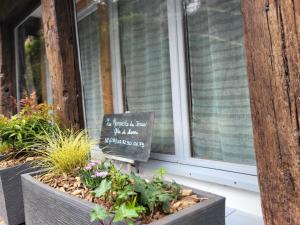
x=4 y=148
x=65 y=152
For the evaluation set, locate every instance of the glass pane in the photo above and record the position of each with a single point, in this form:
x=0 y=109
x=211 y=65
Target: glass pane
x=33 y=71
x=146 y=66
x=220 y=107
x=89 y=43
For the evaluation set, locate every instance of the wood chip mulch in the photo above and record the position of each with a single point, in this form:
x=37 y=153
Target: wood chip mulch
x=8 y=163
x=71 y=184
x=67 y=183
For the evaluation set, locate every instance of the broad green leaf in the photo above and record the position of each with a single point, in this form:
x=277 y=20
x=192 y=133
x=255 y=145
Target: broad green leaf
x=164 y=197
x=98 y=213
x=103 y=188
x=125 y=212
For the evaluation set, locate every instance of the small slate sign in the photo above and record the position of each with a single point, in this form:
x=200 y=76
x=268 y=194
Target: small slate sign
x=127 y=135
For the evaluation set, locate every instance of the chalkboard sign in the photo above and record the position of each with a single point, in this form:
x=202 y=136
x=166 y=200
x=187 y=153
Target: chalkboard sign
x=127 y=135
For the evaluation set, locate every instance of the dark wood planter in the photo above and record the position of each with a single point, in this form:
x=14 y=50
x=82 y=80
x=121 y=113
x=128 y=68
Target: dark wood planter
x=11 y=199
x=46 y=205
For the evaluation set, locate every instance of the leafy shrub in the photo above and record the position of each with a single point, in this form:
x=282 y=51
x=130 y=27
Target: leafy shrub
x=65 y=150
x=129 y=195
x=20 y=131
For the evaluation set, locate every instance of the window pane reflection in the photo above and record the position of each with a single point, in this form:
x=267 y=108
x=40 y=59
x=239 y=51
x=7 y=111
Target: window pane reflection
x=33 y=71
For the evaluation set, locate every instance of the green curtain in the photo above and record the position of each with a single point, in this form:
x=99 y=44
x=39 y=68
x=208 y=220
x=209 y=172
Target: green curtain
x=88 y=31
x=146 y=66
x=220 y=106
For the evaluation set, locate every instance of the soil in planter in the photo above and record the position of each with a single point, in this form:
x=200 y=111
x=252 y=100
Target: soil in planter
x=11 y=162
x=71 y=184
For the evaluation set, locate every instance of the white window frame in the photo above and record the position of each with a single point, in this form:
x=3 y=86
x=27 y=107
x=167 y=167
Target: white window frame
x=182 y=163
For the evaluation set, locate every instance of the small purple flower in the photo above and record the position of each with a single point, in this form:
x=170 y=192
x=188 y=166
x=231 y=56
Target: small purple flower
x=88 y=167
x=92 y=164
x=101 y=174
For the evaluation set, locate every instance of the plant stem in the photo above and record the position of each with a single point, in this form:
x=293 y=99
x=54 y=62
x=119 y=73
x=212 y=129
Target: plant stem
x=110 y=223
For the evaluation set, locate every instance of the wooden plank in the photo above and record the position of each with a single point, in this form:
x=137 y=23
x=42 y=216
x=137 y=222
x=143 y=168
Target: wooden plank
x=105 y=64
x=61 y=49
x=6 y=75
x=272 y=49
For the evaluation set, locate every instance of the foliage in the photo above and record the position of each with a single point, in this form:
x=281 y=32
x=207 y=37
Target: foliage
x=99 y=213
x=155 y=193
x=20 y=131
x=129 y=195
x=4 y=148
x=32 y=46
x=65 y=151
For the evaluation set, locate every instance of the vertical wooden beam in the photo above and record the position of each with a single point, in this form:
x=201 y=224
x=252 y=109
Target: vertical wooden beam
x=6 y=76
x=61 y=48
x=105 y=63
x=272 y=41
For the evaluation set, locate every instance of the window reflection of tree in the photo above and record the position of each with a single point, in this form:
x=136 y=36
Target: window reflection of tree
x=32 y=77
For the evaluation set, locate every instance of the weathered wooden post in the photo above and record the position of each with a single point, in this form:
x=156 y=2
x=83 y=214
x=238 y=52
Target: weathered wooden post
x=61 y=49
x=272 y=38
x=6 y=76
x=105 y=63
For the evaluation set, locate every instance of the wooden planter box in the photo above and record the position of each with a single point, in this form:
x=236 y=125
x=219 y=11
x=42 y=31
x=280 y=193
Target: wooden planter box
x=11 y=199
x=46 y=205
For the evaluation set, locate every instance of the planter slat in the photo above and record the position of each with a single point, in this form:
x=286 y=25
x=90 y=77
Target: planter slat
x=11 y=199
x=46 y=205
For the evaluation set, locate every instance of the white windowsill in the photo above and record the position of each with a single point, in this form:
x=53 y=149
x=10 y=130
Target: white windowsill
x=226 y=178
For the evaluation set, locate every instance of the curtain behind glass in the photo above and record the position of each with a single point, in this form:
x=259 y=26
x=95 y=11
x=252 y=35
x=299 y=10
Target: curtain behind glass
x=146 y=66
x=220 y=107
x=89 y=43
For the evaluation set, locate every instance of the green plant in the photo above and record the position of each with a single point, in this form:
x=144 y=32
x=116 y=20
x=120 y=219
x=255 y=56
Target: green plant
x=155 y=194
x=65 y=151
x=127 y=213
x=128 y=195
x=93 y=174
x=20 y=131
x=4 y=148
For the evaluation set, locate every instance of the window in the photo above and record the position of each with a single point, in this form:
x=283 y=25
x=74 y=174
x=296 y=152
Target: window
x=146 y=75
x=220 y=115
x=184 y=60
x=32 y=68
x=89 y=43
x=96 y=72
